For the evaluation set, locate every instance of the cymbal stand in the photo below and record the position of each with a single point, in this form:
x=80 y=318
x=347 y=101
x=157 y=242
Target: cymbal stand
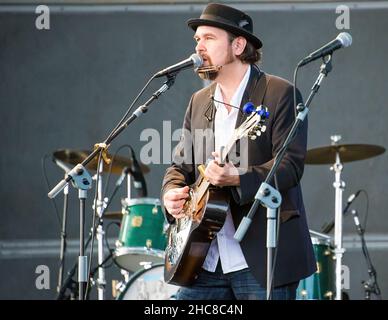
x=128 y=185
x=101 y=280
x=339 y=187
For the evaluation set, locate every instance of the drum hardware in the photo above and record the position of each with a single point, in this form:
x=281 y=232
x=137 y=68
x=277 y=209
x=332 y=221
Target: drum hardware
x=148 y=284
x=119 y=286
x=338 y=154
x=146 y=264
x=115 y=288
x=100 y=207
x=113 y=215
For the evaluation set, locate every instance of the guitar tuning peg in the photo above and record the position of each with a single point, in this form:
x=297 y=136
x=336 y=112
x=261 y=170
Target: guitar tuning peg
x=263 y=128
x=258 y=133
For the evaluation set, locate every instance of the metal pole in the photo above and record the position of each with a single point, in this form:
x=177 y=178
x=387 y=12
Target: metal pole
x=339 y=186
x=101 y=281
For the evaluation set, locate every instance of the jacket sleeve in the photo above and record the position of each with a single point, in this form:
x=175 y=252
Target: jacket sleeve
x=291 y=168
x=181 y=172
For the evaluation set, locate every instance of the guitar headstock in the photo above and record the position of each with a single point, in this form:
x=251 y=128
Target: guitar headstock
x=254 y=125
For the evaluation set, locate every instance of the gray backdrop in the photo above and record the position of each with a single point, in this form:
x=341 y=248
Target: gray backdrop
x=68 y=86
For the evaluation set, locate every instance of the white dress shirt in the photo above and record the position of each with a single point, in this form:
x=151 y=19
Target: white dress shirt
x=224 y=246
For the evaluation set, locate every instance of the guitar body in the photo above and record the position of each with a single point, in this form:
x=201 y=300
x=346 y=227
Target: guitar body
x=189 y=238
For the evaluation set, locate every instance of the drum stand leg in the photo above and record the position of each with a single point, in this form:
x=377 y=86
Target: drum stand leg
x=339 y=187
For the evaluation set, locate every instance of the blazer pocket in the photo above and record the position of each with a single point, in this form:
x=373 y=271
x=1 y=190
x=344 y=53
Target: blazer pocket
x=286 y=215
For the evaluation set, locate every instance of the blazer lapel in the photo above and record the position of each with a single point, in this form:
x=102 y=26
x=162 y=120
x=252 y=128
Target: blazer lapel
x=249 y=90
x=204 y=121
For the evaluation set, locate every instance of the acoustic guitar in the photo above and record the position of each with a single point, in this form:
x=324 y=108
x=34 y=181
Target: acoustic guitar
x=189 y=238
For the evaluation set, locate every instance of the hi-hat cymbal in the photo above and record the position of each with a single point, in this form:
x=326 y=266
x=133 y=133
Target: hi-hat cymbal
x=77 y=156
x=113 y=215
x=347 y=153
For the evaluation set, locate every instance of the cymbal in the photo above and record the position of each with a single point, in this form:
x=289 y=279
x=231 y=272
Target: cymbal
x=77 y=156
x=113 y=215
x=347 y=153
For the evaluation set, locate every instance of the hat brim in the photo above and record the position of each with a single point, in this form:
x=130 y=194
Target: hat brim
x=195 y=23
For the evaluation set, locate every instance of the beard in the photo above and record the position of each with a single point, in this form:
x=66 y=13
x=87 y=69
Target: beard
x=211 y=71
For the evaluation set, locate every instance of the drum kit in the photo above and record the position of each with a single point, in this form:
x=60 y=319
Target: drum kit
x=139 y=248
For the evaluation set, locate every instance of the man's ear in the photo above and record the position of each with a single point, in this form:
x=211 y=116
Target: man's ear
x=239 y=45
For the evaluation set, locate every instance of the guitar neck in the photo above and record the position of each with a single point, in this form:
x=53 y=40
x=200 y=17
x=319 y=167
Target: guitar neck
x=224 y=152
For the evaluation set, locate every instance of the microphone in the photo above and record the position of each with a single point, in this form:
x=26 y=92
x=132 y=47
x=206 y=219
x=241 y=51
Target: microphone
x=138 y=177
x=351 y=198
x=357 y=222
x=120 y=180
x=344 y=39
x=61 y=164
x=195 y=61
x=328 y=227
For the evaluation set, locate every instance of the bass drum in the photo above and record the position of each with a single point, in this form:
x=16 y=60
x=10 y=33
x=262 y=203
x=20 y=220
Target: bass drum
x=148 y=284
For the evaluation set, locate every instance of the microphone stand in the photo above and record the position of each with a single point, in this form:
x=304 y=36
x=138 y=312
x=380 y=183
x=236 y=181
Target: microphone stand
x=63 y=238
x=68 y=280
x=64 y=223
x=81 y=179
x=268 y=196
x=371 y=285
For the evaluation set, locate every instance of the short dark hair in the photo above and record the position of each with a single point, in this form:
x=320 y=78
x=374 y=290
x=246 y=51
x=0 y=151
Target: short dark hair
x=250 y=55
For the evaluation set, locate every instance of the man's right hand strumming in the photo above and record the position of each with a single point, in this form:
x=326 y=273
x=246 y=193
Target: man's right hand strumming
x=174 y=200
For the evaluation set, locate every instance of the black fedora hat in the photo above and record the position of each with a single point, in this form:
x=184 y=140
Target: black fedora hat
x=229 y=19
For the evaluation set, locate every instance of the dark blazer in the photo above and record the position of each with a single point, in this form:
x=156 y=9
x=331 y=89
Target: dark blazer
x=295 y=257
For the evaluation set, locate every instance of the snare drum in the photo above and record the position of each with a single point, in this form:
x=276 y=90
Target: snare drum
x=321 y=284
x=148 y=284
x=142 y=237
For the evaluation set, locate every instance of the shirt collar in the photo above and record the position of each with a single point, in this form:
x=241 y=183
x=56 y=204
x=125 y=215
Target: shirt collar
x=238 y=95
